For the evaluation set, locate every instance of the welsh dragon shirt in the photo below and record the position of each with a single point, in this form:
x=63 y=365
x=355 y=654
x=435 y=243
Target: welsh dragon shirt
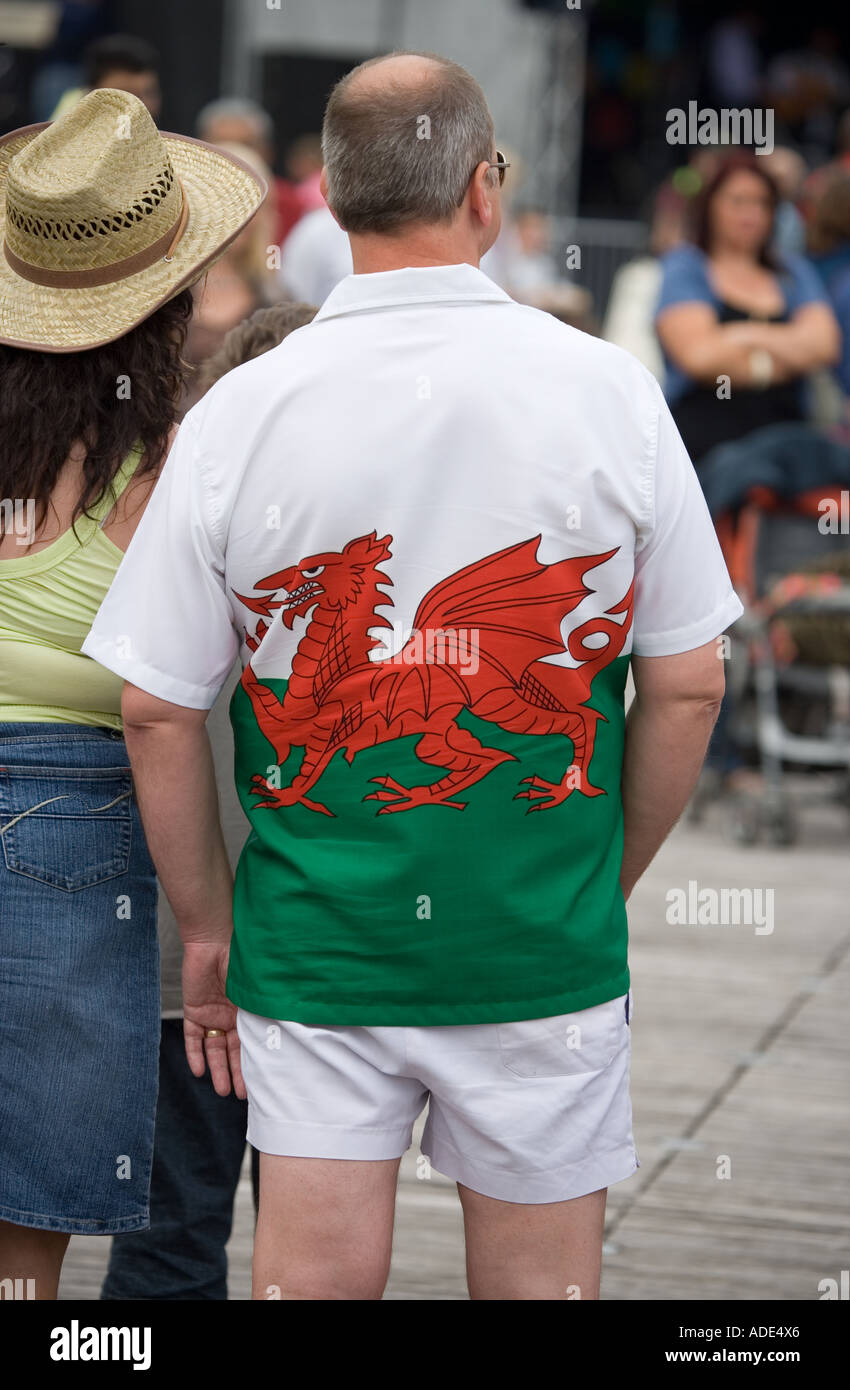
x=434 y=523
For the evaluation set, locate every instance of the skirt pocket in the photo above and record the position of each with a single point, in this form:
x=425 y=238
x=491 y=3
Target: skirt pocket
x=69 y=828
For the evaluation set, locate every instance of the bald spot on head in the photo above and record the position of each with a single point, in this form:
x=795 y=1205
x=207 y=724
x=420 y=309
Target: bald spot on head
x=401 y=137
x=408 y=72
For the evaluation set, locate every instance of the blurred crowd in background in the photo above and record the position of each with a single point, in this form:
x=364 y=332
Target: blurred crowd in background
x=732 y=284
x=798 y=203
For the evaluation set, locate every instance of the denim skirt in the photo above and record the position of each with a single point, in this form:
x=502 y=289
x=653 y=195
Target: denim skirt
x=79 y=984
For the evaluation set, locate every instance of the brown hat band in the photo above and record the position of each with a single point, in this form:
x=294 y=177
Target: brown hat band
x=107 y=274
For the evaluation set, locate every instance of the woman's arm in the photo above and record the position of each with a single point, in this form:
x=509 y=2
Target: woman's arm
x=810 y=341
x=693 y=338
x=706 y=349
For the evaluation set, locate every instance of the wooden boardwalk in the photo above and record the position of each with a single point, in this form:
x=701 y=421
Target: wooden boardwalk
x=741 y=1063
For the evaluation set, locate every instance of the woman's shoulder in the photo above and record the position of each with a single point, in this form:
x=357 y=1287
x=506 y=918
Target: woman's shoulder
x=685 y=254
x=138 y=471
x=801 y=277
x=135 y=486
x=793 y=264
x=684 y=276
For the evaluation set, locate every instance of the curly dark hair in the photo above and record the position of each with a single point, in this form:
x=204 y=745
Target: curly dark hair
x=51 y=401
x=264 y=329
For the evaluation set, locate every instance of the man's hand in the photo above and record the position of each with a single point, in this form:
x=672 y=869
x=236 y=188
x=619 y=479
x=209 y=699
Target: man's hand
x=205 y=1005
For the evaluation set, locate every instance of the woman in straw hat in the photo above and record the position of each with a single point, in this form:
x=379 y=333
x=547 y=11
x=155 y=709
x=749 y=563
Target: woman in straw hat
x=106 y=225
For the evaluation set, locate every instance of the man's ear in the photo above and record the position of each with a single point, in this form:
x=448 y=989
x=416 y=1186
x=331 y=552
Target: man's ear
x=323 y=189
x=323 y=183
x=483 y=195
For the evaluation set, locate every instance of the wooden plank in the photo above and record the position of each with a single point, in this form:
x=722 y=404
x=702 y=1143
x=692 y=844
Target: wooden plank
x=740 y=1047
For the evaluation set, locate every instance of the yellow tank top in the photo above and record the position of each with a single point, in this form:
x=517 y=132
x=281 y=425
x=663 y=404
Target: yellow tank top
x=47 y=605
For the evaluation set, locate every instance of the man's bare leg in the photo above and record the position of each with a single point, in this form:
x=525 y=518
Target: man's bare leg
x=29 y=1254
x=325 y=1227
x=550 y=1250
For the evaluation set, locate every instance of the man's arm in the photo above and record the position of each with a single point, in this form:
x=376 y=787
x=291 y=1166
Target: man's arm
x=667 y=732
x=175 y=784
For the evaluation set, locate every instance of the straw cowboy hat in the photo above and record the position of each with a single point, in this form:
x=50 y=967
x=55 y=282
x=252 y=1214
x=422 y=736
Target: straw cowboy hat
x=105 y=218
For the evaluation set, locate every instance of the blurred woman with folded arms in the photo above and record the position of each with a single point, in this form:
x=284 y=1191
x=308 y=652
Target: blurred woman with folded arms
x=741 y=327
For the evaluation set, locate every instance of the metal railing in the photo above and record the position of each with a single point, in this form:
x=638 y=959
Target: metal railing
x=604 y=245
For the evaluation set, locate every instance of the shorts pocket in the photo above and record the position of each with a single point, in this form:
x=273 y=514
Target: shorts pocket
x=67 y=827
x=566 y=1044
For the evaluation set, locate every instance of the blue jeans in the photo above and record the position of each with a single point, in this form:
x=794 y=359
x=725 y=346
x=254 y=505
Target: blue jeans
x=79 y=983
x=198 y=1152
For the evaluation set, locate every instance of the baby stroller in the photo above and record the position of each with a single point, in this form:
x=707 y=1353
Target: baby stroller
x=781 y=500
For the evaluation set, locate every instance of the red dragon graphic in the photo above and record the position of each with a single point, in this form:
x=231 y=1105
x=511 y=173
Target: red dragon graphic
x=340 y=698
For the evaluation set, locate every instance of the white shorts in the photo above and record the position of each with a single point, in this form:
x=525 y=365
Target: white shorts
x=536 y=1111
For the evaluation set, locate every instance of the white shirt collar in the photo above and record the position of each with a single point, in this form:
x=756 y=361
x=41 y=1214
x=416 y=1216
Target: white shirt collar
x=429 y=284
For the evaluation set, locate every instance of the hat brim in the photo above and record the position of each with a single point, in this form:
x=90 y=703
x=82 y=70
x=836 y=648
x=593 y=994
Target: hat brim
x=223 y=194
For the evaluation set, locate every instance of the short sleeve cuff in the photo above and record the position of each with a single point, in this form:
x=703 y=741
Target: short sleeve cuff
x=148 y=678
x=686 y=639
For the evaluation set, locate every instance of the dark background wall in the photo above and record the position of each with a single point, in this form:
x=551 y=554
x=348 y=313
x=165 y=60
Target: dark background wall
x=189 y=36
x=295 y=88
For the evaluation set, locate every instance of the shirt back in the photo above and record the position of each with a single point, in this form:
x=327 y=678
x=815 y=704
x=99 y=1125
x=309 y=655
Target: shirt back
x=437 y=523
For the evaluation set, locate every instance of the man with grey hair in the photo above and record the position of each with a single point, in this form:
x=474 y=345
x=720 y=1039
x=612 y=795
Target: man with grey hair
x=240 y=121
x=439 y=526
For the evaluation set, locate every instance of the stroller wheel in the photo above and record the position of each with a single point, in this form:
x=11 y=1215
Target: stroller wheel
x=781 y=826
x=744 y=821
